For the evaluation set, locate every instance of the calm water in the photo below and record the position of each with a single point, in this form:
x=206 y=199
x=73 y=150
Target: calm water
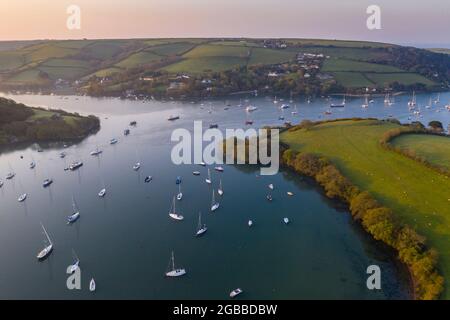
x=124 y=240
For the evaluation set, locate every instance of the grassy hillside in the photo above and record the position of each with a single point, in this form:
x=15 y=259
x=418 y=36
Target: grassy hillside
x=417 y=194
x=435 y=149
x=352 y=64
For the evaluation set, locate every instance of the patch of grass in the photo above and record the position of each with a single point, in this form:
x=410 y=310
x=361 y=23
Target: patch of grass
x=270 y=56
x=40 y=114
x=44 y=52
x=106 y=72
x=332 y=65
x=27 y=76
x=339 y=43
x=218 y=51
x=57 y=62
x=418 y=195
x=352 y=79
x=435 y=149
x=104 y=49
x=137 y=59
x=199 y=65
x=237 y=43
x=171 y=49
x=10 y=60
x=361 y=54
x=383 y=79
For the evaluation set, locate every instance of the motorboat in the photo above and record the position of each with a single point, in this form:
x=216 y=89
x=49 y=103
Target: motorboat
x=22 y=197
x=74 y=166
x=235 y=292
x=47 y=182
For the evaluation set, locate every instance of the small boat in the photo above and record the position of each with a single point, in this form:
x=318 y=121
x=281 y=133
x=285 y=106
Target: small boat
x=148 y=179
x=201 y=228
x=235 y=292
x=133 y=123
x=220 y=189
x=249 y=122
x=32 y=165
x=62 y=155
x=174 y=272
x=102 y=193
x=213 y=126
x=269 y=197
x=10 y=175
x=270 y=186
x=44 y=253
x=180 y=194
x=251 y=108
x=76 y=264
x=412 y=102
x=286 y=220
x=214 y=205
x=172 y=118
x=178 y=181
x=295 y=110
x=92 y=285
x=284 y=106
x=74 y=216
x=366 y=103
x=137 y=166
x=281 y=118
x=22 y=197
x=47 y=182
x=172 y=212
x=113 y=141
x=218 y=168
x=96 y=152
x=1 y=183
x=196 y=173
x=290 y=193
x=208 y=179
x=338 y=105
x=250 y=223
x=74 y=166
x=438 y=99
x=327 y=113
x=126 y=132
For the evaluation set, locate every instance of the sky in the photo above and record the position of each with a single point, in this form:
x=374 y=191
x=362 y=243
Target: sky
x=423 y=23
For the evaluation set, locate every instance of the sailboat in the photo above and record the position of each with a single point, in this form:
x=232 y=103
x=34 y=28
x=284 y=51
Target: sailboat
x=235 y=292
x=1 y=183
x=174 y=272
x=208 y=179
x=75 y=265
x=387 y=100
x=32 y=164
x=295 y=110
x=220 y=190
x=366 y=102
x=47 y=182
x=92 y=285
x=137 y=166
x=250 y=223
x=438 y=99
x=44 y=253
x=341 y=105
x=412 y=102
x=22 y=197
x=173 y=212
x=270 y=186
x=75 y=215
x=214 y=205
x=113 y=141
x=96 y=152
x=102 y=193
x=251 y=108
x=428 y=106
x=201 y=228
x=180 y=194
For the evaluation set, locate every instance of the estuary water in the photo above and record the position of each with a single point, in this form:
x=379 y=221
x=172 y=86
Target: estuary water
x=125 y=239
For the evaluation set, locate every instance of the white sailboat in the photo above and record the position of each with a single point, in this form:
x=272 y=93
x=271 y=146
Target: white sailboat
x=76 y=263
x=102 y=193
x=96 y=152
x=208 y=179
x=44 y=253
x=366 y=102
x=214 y=205
x=92 y=285
x=137 y=166
x=75 y=215
x=22 y=197
x=173 y=212
x=174 y=272
x=294 y=112
x=412 y=102
x=220 y=190
x=201 y=228
x=235 y=292
x=271 y=186
x=286 y=220
x=438 y=99
x=250 y=223
x=180 y=194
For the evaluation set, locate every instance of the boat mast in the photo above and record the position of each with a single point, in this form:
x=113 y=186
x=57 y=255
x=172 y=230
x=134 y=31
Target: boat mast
x=173 y=261
x=46 y=234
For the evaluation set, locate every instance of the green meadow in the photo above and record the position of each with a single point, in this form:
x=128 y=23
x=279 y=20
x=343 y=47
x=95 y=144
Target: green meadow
x=418 y=195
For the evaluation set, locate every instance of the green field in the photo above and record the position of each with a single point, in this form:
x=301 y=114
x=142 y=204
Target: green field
x=218 y=51
x=171 y=49
x=206 y=64
x=270 y=56
x=418 y=195
x=137 y=59
x=333 y=64
x=352 y=79
x=435 y=149
x=404 y=78
x=339 y=43
x=10 y=60
x=27 y=76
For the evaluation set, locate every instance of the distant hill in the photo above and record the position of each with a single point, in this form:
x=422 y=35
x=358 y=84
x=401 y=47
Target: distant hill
x=114 y=66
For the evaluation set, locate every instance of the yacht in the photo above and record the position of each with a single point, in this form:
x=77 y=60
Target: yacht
x=271 y=186
x=173 y=271
x=284 y=106
x=235 y=292
x=208 y=179
x=137 y=166
x=173 y=213
x=290 y=194
x=251 y=108
x=10 y=175
x=338 y=105
x=202 y=164
x=218 y=168
x=220 y=189
x=22 y=197
x=412 y=102
x=250 y=223
x=196 y=173
x=438 y=99
x=180 y=194
x=102 y=193
x=294 y=112
x=113 y=141
x=366 y=103
x=96 y=152
x=44 y=253
x=214 y=205
x=62 y=155
x=74 y=166
x=269 y=197
x=92 y=285
x=47 y=182
x=286 y=220
x=76 y=263
x=172 y=118
x=75 y=215
x=148 y=179
x=32 y=165
x=201 y=228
